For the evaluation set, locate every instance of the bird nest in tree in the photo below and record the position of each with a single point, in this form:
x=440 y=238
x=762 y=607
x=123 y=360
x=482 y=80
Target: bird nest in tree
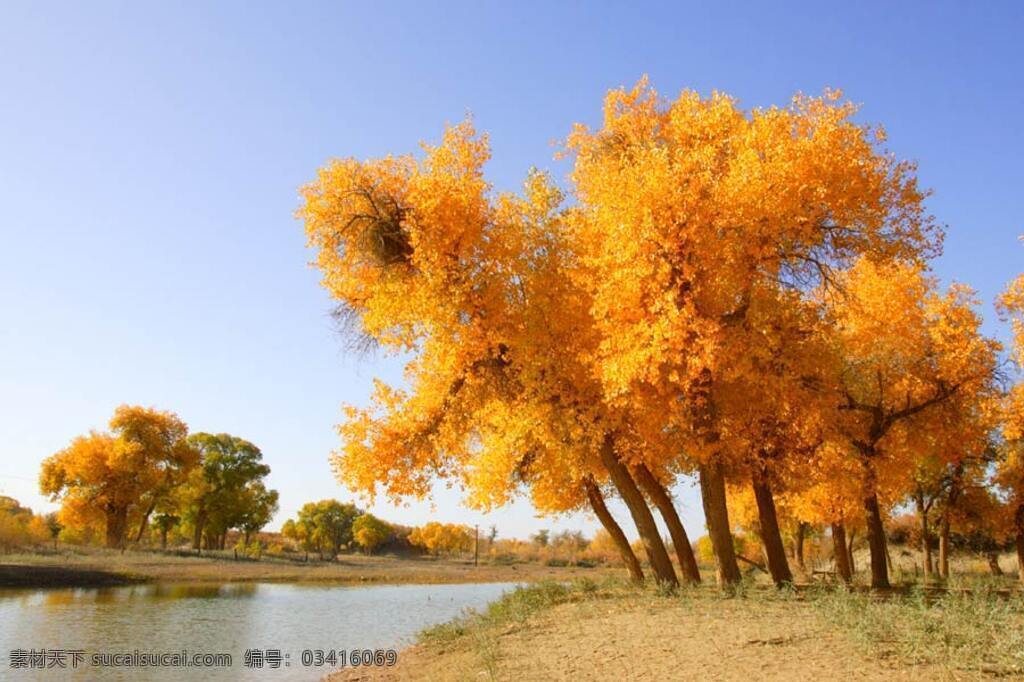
x=381 y=229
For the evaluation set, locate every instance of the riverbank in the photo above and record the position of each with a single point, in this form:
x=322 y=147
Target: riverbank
x=613 y=631
x=102 y=568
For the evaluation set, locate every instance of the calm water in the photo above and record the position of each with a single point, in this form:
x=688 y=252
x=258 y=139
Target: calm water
x=228 y=618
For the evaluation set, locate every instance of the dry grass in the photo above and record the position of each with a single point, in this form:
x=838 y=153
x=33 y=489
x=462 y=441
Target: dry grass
x=610 y=630
x=974 y=627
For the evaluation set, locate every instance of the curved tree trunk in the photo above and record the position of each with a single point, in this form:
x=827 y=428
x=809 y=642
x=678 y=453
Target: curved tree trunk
x=661 y=565
x=680 y=541
x=840 y=553
x=144 y=522
x=768 y=524
x=614 y=530
x=944 y=546
x=716 y=515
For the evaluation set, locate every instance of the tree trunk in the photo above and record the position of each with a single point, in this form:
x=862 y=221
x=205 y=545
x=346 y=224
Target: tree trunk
x=661 y=565
x=849 y=545
x=163 y=538
x=771 y=537
x=926 y=547
x=1020 y=543
x=223 y=539
x=1020 y=556
x=876 y=542
x=798 y=545
x=840 y=553
x=947 y=512
x=680 y=541
x=117 y=528
x=944 y=546
x=144 y=522
x=873 y=519
x=993 y=563
x=197 y=534
x=716 y=515
x=613 y=529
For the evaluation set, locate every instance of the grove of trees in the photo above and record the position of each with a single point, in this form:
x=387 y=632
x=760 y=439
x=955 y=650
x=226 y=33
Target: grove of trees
x=323 y=527
x=146 y=470
x=442 y=538
x=20 y=527
x=738 y=296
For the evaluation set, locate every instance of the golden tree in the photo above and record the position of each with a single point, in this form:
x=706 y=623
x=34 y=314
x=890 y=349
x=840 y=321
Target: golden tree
x=617 y=342
x=369 y=532
x=113 y=478
x=502 y=395
x=1010 y=471
x=829 y=495
x=907 y=352
x=690 y=212
x=442 y=538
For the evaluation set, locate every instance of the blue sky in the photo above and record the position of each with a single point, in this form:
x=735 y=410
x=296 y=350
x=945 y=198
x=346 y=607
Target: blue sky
x=150 y=155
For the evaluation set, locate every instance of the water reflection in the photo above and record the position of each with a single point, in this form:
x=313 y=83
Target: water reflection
x=225 y=617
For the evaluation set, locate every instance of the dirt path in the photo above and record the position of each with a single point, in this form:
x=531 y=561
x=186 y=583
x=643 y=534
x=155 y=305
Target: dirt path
x=654 y=640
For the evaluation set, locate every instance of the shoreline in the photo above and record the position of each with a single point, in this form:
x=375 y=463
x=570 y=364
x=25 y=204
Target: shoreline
x=27 y=576
x=114 y=570
x=615 y=630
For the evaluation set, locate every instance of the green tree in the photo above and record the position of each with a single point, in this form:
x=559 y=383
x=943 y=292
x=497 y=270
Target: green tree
x=369 y=532
x=258 y=506
x=541 y=537
x=323 y=527
x=54 y=525
x=301 y=533
x=218 y=494
x=164 y=522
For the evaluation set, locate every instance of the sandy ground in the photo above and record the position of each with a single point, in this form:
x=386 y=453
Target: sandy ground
x=654 y=640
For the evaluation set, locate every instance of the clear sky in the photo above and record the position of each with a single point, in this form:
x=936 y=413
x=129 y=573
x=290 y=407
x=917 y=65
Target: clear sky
x=150 y=155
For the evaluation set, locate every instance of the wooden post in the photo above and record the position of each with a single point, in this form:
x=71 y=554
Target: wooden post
x=476 y=545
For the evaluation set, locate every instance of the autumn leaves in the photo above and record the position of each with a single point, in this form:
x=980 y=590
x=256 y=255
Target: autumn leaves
x=737 y=295
x=148 y=468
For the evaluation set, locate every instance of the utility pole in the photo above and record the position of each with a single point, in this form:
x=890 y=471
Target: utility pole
x=476 y=545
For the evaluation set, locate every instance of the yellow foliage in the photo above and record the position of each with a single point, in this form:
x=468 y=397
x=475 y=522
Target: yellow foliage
x=19 y=527
x=108 y=478
x=443 y=538
x=723 y=285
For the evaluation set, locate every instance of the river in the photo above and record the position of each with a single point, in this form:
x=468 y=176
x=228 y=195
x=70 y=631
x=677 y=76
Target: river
x=289 y=628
